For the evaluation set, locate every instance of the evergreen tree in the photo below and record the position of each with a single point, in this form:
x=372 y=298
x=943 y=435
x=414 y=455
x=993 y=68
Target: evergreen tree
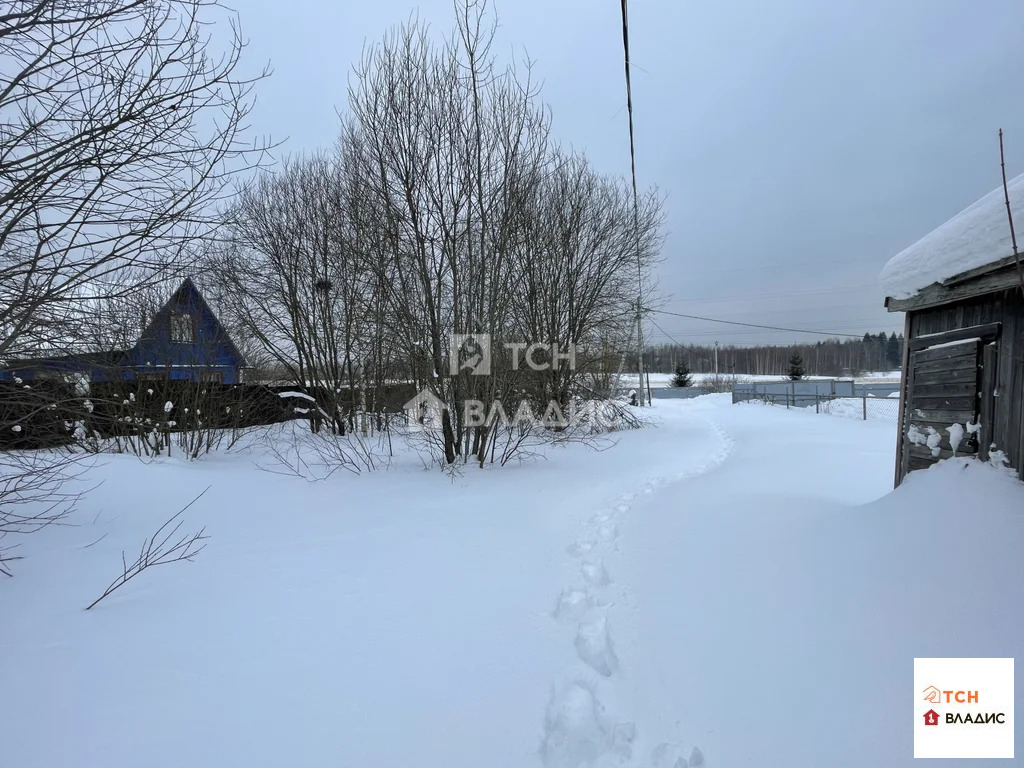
x=796 y=368
x=682 y=377
x=881 y=347
x=892 y=351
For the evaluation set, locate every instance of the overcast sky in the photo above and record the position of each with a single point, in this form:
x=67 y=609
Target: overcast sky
x=800 y=143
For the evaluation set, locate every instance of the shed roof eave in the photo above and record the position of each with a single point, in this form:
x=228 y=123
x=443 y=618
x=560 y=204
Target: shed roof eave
x=998 y=276
x=993 y=266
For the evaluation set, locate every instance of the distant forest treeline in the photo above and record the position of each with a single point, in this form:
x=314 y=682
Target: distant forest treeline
x=830 y=357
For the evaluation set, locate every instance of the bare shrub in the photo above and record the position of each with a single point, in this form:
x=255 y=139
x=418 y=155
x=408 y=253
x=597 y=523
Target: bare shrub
x=162 y=548
x=33 y=494
x=713 y=383
x=294 y=450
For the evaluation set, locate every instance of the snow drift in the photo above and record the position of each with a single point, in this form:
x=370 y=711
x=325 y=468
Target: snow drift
x=978 y=235
x=629 y=607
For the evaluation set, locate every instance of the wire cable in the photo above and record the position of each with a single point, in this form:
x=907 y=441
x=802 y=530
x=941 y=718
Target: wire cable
x=754 y=325
x=665 y=333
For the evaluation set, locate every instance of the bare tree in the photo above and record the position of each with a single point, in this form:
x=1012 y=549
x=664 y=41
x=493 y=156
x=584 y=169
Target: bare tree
x=113 y=323
x=578 y=269
x=444 y=210
x=446 y=142
x=121 y=124
x=121 y=127
x=296 y=282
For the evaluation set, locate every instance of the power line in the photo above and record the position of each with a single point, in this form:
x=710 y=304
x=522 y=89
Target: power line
x=676 y=341
x=786 y=265
x=629 y=99
x=827 y=324
x=762 y=333
x=827 y=312
x=665 y=333
x=754 y=325
x=658 y=339
x=775 y=295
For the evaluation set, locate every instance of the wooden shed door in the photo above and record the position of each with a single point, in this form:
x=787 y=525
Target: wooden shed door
x=942 y=390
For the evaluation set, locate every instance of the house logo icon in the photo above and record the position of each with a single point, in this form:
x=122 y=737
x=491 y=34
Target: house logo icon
x=932 y=695
x=425 y=411
x=931 y=717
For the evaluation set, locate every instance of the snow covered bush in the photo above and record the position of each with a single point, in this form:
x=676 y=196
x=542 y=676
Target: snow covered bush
x=716 y=383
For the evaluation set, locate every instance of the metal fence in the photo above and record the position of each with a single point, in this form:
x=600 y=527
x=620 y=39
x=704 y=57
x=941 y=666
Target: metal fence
x=678 y=393
x=868 y=400
x=801 y=393
x=876 y=389
x=866 y=408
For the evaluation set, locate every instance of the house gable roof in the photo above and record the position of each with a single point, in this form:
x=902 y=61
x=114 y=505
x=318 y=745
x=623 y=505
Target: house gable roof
x=189 y=290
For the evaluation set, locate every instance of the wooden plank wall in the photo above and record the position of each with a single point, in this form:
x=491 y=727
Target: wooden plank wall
x=1005 y=425
x=904 y=386
x=943 y=390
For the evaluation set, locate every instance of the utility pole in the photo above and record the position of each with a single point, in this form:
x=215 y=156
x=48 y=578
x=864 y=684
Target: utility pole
x=716 y=358
x=640 y=351
x=636 y=210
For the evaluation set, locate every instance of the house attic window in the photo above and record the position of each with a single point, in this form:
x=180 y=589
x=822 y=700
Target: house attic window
x=182 y=329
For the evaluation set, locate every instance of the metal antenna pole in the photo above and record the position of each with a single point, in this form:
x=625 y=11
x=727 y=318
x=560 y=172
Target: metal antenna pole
x=1009 y=213
x=640 y=351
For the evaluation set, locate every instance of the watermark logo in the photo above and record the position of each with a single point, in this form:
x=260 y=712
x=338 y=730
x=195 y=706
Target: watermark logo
x=973 y=701
x=425 y=412
x=540 y=356
x=935 y=695
x=472 y=352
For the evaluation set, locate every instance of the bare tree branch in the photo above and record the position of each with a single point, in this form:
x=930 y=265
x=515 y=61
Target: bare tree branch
x=162 y=548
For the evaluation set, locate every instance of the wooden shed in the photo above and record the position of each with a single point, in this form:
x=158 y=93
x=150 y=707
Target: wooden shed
x=963 y=364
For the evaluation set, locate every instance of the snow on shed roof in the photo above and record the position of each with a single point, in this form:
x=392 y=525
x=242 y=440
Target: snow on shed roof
x=978 y=235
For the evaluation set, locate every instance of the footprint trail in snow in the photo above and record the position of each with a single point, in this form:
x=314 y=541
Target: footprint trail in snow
x=578 y=729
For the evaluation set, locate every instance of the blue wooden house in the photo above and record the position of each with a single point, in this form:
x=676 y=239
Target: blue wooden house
x=184 y=341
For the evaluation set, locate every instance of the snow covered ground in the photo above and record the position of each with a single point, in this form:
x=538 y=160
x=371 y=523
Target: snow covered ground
x=734 y=586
